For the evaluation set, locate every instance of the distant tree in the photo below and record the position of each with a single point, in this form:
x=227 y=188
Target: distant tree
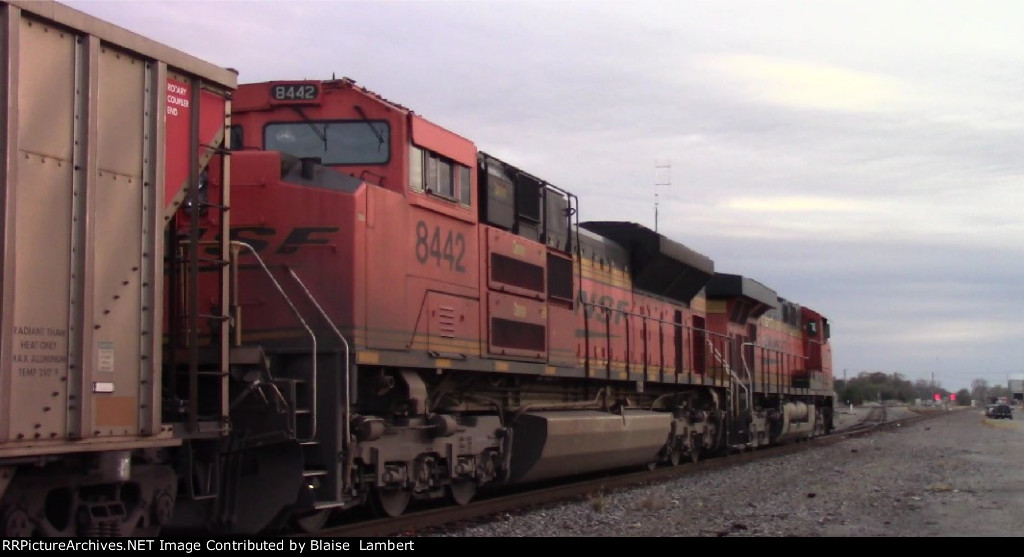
x=924 y=389
x=877 y=386
x=979 y=390
x=995 y=392
x=963 y=397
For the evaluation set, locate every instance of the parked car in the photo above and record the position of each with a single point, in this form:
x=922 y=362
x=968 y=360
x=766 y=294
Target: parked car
x=999 y=411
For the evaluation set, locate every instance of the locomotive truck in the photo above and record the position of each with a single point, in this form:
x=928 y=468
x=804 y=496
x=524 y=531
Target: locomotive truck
x=236 y=308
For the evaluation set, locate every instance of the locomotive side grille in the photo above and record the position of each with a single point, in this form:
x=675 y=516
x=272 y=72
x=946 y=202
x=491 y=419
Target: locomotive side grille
x=518 y=335
x=560 y=277
x=528 y=197
x=517 y=273
x=446 y=321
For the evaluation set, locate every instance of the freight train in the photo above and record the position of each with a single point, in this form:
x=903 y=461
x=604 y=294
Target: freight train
x=240 y=308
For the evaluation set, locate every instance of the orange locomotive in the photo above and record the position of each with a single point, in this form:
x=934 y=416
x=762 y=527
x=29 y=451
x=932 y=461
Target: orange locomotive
x=276 y=302
x=468 y=330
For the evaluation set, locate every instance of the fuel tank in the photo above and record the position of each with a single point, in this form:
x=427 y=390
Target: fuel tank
x=797 y=421
x=559 y=443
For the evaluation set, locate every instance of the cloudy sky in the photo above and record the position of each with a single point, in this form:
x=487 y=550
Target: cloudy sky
x=863 y=158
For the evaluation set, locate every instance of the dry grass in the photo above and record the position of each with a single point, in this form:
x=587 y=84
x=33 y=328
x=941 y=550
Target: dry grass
x=653 y=503
x=598 y=502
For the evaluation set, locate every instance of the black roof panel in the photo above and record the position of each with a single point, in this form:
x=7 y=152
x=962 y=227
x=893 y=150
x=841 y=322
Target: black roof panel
x=660 y=266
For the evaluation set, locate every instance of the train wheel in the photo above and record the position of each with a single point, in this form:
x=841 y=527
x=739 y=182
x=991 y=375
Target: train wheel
x=461 y=492
x=819 y=424
x=15 y=523
x=390 y=501
x=312 y=522
x=675 y=457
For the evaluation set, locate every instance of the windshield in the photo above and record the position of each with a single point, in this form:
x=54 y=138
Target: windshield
x=349 y=142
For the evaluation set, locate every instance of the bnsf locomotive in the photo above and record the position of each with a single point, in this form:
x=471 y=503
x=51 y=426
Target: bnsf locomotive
x=235 y=308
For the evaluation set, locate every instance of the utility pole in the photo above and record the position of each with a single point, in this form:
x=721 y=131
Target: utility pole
x=662 y=177
x=845 y=386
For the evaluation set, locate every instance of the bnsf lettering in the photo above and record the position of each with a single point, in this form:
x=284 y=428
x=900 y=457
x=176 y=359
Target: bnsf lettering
x=251 y=235
x=259 y=237
x=617 y=308
x=303 y=237
x=441 y=246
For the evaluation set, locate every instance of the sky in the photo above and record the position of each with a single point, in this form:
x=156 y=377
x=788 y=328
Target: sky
x=862 y=158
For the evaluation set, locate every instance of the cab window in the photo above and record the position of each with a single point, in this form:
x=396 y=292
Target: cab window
x=438 y=175
x=346 y=142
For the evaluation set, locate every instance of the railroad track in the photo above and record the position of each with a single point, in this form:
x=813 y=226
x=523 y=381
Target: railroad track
x=491 y=506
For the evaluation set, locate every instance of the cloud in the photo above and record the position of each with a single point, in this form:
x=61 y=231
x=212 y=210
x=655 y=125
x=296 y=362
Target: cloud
x=798 y=204
x=964 y=333
x=805 y=85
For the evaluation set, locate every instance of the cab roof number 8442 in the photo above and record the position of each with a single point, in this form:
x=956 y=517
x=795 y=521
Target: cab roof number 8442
x=294 y=92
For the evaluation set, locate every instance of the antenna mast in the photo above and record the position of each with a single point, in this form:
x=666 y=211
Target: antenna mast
x=662 y=177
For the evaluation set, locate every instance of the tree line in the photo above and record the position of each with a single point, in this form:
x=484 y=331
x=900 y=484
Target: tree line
x=877 y=386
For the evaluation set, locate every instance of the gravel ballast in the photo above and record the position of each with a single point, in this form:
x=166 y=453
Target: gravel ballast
x=957 y=474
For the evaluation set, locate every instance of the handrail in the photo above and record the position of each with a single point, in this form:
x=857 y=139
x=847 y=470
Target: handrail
x=348 y=415
x=277 y=285
x=728 y=368
x=746 y=368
